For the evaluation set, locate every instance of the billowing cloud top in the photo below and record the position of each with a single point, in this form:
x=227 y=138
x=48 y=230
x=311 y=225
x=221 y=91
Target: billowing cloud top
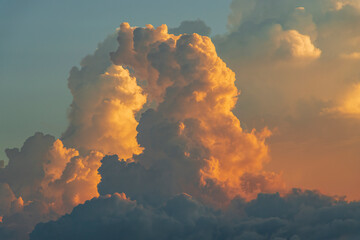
x=193 y=130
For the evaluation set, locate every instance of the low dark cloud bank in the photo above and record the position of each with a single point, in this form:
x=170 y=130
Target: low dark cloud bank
x=299 y=215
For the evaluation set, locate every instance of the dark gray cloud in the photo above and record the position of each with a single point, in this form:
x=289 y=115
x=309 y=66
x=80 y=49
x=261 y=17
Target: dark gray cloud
x=162 y=170
x=113 y=217
x=299 y=215
x=189 y=27
x=24 y=171
x=21 y=205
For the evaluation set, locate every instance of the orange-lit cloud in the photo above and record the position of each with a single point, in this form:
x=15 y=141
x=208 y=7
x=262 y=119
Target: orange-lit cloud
x=194 y=91
x=66 y=186
x=43 y=181
x=102 y=115
x=57 y=175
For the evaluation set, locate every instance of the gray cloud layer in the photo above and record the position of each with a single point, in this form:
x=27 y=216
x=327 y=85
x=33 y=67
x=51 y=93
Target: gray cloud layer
x=299 y=215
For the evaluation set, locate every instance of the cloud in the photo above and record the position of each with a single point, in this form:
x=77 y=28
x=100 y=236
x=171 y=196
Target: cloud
x=265 y=42
x=7 y=197
x=189 y=27
x=297 y=45
x=349 y=105
x=353 y=55
x=254 y=27
x=76 y=181
x=343 y=3
x=298 y=215
x=47 y=178
x=115 y=216
x=193 y=130
x=105 y=101
x=274 y=31
x=295 y=63
x=42 y=181
x=27 y=163
x=21 y=186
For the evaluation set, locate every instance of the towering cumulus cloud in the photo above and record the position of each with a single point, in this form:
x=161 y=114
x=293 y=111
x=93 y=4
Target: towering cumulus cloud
x=192 y=140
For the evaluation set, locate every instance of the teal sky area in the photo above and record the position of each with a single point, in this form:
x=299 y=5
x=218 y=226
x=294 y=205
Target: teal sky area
x=40 y=40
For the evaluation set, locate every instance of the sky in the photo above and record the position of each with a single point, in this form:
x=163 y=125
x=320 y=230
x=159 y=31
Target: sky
x=180 y=119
